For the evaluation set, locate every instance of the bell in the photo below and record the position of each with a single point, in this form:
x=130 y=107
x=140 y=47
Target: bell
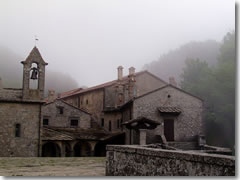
x=34 y=73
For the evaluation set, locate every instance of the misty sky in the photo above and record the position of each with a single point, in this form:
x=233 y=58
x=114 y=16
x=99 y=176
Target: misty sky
x=88 y=39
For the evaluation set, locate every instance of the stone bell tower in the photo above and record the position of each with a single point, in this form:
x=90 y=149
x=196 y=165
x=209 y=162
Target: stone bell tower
x=33 y=76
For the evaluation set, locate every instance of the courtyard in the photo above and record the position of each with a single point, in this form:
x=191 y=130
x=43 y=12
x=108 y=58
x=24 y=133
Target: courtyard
x=72 y=166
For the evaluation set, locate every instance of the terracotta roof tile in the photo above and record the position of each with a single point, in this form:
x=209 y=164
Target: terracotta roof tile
x=58 y=133
x=169 y=109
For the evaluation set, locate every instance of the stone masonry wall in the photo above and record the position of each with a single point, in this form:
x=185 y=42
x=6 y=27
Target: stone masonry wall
x=91 y=101
x=141 y=161
x=187 y=125
x=28 y=116
x=50 y=111
x=146 y=83
x=114 y=117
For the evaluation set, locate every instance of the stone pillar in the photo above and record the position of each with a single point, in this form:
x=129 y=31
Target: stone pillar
x=61 y=145
x=72 y=148
x=92 y=145
x=143 y=136
x=63 y=150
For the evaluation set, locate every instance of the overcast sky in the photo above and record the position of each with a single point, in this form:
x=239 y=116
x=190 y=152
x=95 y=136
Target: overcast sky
x=88 y=39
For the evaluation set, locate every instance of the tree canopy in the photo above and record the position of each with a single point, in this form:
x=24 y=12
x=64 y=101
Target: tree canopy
x=216 y=86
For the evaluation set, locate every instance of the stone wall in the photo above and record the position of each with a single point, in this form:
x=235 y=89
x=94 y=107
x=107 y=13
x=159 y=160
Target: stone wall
x=50 y=112
x=187 y=125
x=28 y=116
x=92 y=101
x=147 y=82
x=141 y=161
x=11 y=94
x=115 y=118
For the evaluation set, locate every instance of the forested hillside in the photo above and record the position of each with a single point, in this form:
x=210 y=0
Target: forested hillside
x=172 y=63
x=216 y=86
x=207 y=70
x=11 y=74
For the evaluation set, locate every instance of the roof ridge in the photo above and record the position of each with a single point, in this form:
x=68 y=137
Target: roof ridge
x=106 y=84
x=84 y=110
x=169 y=85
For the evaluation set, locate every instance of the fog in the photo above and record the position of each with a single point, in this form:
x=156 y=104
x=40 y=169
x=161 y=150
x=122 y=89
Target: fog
x=88 y=39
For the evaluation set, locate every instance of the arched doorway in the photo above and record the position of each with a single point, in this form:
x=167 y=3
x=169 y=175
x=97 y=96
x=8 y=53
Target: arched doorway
x=100 y=148
x=51 y=149
x=82 y=149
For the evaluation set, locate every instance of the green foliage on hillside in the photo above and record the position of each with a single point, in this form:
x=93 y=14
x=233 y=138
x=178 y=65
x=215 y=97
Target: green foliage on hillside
x=173 y=62
x=216 y=86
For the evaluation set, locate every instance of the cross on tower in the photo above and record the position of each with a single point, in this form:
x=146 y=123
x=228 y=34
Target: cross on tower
x=36 y=39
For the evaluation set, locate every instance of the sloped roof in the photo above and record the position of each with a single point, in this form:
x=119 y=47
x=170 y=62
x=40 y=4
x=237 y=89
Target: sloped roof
x=169 y=110
x=58 y=133
x=58 y=99
x=110 y=83
x=164 y=109
x=51 y=134
x=118 y=108
x=34 y=56
x=168 y=85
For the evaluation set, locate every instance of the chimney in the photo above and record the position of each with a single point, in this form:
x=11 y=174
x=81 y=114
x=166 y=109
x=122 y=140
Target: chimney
x=1 y=86
x=51 y=95
x=172 y=81
x=131 y=71
x=120 y=73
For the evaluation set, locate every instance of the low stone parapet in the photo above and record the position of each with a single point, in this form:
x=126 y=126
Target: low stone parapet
x=134 y=160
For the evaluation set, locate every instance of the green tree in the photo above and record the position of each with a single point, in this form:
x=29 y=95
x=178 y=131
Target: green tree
x=216 y=86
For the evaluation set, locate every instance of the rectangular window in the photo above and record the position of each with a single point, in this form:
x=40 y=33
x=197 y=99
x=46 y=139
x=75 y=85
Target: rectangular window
x=17 y=130
x=102 y=122
x=118 y=123
x=45 y=121
x=110 y=126
x=60 y=110
x=74 y=122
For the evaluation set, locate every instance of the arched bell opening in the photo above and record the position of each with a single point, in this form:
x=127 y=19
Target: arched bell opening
x=51 y=149
x=34 y=76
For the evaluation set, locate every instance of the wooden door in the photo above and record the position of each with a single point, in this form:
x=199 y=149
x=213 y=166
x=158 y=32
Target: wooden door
x=169 y=129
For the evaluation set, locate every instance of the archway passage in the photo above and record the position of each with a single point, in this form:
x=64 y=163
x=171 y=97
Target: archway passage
x=51 y=149
x=82 y=149
x=100 y=148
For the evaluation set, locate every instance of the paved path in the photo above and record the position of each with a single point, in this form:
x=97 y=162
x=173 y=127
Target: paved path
x=82 y=166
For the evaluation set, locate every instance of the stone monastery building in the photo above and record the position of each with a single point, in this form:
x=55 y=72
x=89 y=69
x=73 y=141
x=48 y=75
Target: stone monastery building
x=138 y=108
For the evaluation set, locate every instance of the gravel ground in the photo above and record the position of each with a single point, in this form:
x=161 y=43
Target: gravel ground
x=72 y=166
